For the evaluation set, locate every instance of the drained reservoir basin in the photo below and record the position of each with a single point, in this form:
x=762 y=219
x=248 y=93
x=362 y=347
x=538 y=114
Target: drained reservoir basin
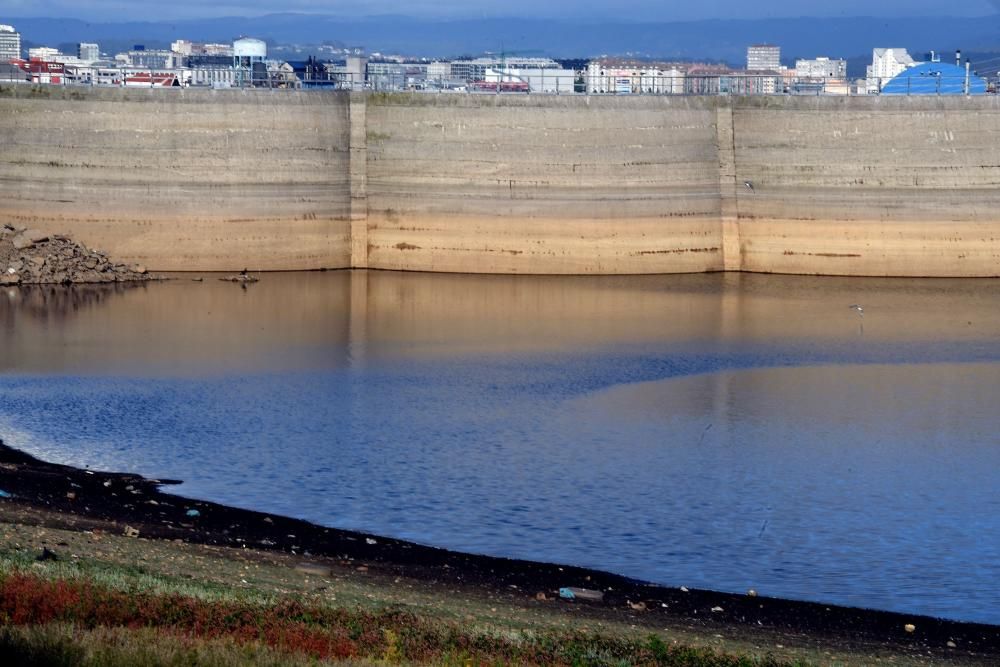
x=722 y=431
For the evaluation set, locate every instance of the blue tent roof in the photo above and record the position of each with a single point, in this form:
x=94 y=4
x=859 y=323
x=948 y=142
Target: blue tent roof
x=934 y=79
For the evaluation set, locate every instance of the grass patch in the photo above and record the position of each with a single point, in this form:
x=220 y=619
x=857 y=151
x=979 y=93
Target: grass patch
x=68 y=621
x=58 y=645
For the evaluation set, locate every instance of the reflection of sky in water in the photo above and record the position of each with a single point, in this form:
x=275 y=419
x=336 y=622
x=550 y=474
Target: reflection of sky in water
x=750 y=459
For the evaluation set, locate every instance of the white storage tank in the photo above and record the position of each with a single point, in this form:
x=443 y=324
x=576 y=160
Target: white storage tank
x=248 y=47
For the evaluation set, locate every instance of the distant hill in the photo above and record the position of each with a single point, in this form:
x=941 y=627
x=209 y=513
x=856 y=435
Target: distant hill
x=724 y=40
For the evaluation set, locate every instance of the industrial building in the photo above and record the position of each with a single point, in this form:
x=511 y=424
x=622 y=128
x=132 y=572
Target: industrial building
x=474 y=69
x=543 y=80
x=42 y=72
x=249 y=55
x=139 y=56
x=11 y=72
x=935 y=78
x=10 y=44
x=439 y=72
x=392 y=75
x=151 y=80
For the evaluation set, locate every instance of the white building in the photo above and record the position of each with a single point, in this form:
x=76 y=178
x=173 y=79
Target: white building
x=438 y=72
x=10 y=43
x=88 y=52
x=181 y=46
x=44 y=53
x=188 y=48
x=763 y=57
x=150 y=59
x=886 y=63
x=214 y=77
x=542 y=80
x=475 y=69
x=821 y=68
x=625 y=77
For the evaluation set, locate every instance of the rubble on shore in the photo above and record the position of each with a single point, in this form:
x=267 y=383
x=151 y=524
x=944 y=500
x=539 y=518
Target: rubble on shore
x=243 y=278
x=31 y=257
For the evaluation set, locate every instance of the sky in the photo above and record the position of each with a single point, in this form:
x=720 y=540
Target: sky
x=587 y=10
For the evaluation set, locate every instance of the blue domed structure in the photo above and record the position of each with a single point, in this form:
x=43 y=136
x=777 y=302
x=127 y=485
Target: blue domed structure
x=934 y=79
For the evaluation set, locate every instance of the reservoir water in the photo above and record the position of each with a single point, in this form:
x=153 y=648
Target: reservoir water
x=725 y=431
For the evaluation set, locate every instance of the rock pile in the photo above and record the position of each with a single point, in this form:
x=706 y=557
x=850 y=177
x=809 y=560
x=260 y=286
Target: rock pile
x=30 y=257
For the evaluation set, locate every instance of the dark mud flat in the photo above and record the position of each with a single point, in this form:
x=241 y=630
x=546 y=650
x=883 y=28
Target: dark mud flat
x=66 y=497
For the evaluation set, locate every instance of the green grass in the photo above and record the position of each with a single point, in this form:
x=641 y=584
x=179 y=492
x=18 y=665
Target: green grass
x=75 y=621
x=60 y=645
x=387 y=616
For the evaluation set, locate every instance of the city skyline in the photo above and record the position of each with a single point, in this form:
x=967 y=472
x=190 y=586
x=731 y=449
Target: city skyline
x=627 y=10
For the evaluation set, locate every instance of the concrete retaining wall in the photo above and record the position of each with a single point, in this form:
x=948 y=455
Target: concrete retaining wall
x=200 y=180
x=182 y=179
x=543 y=184
x=903 y=186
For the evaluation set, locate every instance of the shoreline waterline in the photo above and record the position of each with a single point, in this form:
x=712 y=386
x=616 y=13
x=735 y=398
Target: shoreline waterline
x=36 y=486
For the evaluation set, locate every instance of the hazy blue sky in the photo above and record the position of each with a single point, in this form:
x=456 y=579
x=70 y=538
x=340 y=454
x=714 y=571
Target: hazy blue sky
x=628 y=10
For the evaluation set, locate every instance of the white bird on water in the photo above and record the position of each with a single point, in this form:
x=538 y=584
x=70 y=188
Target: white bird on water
x=857 y=307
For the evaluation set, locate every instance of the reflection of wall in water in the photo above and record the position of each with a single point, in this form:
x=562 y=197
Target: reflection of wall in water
x=359 y=316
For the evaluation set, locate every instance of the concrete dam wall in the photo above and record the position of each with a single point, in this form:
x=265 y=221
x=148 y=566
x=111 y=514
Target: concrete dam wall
x=188 y=181
x=222 y=180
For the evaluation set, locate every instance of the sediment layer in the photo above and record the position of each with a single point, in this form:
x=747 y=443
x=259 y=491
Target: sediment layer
x=271 y=180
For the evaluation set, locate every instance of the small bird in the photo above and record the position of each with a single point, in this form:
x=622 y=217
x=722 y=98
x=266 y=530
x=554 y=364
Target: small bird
x=857 y=307
x=748 y=185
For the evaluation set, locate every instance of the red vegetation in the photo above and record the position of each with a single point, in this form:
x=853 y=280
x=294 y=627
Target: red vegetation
x=289 y=626
x=319 y=632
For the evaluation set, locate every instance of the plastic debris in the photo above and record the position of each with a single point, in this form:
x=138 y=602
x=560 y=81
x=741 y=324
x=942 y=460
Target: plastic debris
x=909 y=627
x=573 y=593
x=716 y=609
x=5 y=494
x=131 y=532
x=193 y=513
x=370 y=541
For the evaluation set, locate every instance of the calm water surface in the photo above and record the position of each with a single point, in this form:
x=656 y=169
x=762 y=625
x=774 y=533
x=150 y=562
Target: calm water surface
x=717 y=431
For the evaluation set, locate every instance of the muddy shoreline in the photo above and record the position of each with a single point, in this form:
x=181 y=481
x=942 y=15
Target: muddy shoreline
x=121 y=503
